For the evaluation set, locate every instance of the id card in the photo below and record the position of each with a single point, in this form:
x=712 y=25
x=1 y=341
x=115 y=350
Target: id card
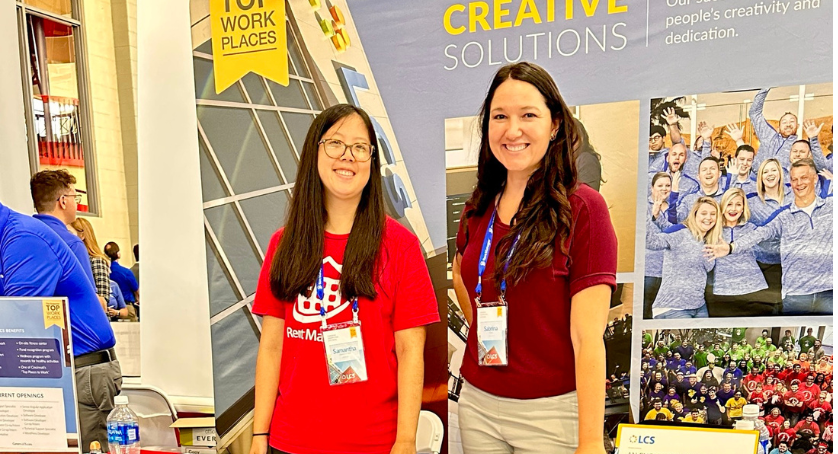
x=491 y=334
x=344 y=353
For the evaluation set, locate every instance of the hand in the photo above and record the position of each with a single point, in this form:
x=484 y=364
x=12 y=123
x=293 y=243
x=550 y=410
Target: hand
x=812 y=130
x=826 y=174
x=670 y=116
x=735 y=132
x=402 y=447
x=658 y=206
x=676 y=180
x=716 y=251
x=705 y=131
x=259 y=445
x=732 y=167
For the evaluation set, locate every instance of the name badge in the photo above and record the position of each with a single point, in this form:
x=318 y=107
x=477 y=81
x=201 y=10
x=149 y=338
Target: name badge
x=344 y=348
x=491 y=334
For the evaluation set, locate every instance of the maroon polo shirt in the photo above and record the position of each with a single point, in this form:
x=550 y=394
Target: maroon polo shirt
x=541 y=361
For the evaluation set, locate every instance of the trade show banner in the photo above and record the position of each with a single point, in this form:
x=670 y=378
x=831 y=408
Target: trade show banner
x=698 y=70
x=37 y=393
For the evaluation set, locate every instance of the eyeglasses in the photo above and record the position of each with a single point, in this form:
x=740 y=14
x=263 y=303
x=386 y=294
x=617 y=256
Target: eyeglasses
x=77 y=196
x=335 y=149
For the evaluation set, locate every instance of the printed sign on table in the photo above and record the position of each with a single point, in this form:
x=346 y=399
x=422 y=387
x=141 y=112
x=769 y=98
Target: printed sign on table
x=37 y=389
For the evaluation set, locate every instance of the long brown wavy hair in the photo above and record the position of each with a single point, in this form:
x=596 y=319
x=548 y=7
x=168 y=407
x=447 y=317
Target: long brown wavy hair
x=545 y=213
x=299 y=255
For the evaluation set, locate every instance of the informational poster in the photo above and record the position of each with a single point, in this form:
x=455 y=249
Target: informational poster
x=639 y=439
x=37 y=390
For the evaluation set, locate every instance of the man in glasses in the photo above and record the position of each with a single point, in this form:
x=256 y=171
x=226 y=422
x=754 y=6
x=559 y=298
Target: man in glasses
x=56 y=201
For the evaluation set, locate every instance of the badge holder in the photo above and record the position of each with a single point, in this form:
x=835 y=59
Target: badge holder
x=492 y=345
x=344 y=349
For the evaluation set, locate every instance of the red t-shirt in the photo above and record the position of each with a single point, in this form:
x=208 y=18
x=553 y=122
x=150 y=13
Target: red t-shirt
x=810 y=393
x=803 y=425
x=787 y=435
x=774 y=424
x=541 y=360
x=824 y=408
x=793 y=400
x=751 y=381
x=312 y=417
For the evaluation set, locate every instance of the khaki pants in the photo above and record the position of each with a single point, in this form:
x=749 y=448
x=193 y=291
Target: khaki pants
x=498 y=425
x=96 y=386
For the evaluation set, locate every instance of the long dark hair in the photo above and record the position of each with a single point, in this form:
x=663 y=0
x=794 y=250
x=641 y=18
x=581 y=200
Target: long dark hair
x=300 y=252
x=545 y=212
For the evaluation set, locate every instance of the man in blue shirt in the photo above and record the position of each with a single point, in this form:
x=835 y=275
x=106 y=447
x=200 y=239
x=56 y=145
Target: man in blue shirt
x=56 y=201
x=805 y=232
x=34 y=261
x=124 y=277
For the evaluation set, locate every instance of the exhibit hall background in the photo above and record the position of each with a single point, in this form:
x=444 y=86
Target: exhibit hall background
x=621 y=55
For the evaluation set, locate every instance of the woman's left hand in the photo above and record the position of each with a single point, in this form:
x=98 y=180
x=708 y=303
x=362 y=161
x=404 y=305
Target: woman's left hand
x=591 y=449
x=403 y=447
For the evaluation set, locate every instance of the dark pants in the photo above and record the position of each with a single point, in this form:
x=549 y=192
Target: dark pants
x=764 y=302
x=815 y=304
x=651 y=285
x=96 y=387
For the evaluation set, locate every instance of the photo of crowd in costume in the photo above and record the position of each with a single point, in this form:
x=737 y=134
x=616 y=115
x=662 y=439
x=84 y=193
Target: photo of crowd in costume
x=739 y=214
x=707 y=376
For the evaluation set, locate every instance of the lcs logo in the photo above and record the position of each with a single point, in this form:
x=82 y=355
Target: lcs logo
x=307 y=310
x=643 y=440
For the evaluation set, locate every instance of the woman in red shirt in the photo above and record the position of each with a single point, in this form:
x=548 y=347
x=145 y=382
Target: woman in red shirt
x=534 y=271
x=341 y=278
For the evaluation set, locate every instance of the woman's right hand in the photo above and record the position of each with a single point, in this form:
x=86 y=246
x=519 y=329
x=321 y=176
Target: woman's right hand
x=259 y=445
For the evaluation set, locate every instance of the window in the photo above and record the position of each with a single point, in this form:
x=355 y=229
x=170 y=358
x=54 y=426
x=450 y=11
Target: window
x=56 y=110
x=250 y=137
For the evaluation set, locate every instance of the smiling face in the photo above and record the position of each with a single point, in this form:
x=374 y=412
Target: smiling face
x=734 y=209
x=803 y=182
x=708 y=173
x=344 y=178
x=705 y=217
x=745 y=161
x=520 y=126
x=799 y=150
x=788 y=125
x=771 y=175
x=661 y=188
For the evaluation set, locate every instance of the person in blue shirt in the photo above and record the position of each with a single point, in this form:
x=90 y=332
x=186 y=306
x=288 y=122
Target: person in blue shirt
x=658 y=204
x=685 y=267
x=657 y=148
x=35 y=262
x=116 y=303
x=805 y=232
x=711 y=184
x=773 y=143
x=740 y=169
x=124 y=277
x=675 y=160
x=56 y=201
x=738 y=285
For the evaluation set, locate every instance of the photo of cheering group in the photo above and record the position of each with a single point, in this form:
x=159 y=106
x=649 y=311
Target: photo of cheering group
x=707 y=376
x=739 y=212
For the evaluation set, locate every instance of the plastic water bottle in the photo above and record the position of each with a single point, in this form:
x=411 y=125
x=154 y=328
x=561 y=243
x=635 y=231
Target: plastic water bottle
x=750 y=421
x=123 y=429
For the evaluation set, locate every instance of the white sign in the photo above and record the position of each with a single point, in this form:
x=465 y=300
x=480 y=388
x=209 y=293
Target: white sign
x=32 y=419
x=648 y=439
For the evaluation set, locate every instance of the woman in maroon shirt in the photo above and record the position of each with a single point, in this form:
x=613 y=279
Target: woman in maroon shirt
x=536 y=259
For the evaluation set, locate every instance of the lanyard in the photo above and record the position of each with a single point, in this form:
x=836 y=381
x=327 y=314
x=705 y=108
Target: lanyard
x=320 y=289
x=484 y=256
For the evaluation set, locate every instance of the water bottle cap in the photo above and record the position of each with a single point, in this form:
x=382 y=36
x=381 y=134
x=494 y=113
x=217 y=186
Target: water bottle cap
x=750 y=411
x=120 y=400
x=95 y=446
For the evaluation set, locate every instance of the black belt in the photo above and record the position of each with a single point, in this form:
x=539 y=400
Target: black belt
x=93 y=358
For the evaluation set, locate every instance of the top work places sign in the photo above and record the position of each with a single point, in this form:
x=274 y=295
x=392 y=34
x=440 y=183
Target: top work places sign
x=37 y=389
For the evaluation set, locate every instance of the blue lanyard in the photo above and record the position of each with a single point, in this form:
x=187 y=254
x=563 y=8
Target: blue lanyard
x=320 y=290
x=484 y=256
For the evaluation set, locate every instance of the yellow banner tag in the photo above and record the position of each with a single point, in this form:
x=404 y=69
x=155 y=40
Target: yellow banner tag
x=248 y=35
x=500 y=311
x=53 y=313
x=352 y=332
